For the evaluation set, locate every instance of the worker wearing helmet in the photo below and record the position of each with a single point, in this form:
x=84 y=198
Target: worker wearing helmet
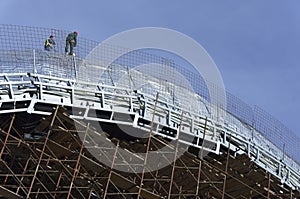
x=49 y=43
x=71 y=41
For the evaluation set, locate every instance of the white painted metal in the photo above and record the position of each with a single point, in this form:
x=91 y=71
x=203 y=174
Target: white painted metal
x=31 y=89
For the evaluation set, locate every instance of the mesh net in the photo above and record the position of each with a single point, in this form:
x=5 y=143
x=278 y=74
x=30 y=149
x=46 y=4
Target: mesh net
x=22 y=50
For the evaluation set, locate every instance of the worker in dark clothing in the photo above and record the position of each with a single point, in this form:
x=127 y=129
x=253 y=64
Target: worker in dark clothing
x=49 y=43
x=71 y=41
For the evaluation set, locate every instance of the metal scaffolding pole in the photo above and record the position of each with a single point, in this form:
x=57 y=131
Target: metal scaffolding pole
x=42 y=153
x=269 y=184
x=111 y=170
x=201 y=158
x=175 y=158
x=226 y=169
x=148 y=146
x=76 y=170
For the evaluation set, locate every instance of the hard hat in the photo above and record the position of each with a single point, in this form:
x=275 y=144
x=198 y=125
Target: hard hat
x=76 y=33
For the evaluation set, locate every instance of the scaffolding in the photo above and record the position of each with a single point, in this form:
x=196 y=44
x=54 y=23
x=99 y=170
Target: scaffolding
x=51 y=146
x=58 y=165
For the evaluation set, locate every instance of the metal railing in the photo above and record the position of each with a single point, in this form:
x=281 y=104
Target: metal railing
x=37 y=93
x=21 y=50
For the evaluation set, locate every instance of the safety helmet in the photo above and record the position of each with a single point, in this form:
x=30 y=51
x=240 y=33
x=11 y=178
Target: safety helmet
x=76 y=33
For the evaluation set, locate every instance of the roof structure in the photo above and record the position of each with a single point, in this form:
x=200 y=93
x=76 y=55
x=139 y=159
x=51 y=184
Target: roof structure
x=72 y=127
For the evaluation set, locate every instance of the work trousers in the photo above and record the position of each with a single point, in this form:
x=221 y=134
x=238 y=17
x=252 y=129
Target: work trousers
x=70 y=43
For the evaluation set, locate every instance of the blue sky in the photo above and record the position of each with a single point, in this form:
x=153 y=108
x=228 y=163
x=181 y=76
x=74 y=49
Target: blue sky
x=255 y=44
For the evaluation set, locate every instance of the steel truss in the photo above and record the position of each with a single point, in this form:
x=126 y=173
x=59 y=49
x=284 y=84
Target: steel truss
x=38 y=94
x=86 y=127
x=52 y=146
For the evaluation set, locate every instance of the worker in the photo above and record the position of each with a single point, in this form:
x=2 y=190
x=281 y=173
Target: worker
x=49 y=43
x=71 y=41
